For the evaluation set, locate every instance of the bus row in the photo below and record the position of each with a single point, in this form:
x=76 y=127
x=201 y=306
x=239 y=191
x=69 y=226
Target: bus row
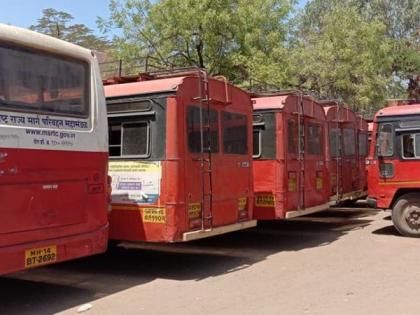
x=193 y=156
x=190 y=156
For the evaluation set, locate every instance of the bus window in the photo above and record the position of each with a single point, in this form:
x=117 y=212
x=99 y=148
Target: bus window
x=411 y=146
x=193 y=129
x=335 y=136
x=235 y=140
x=292 y=135
x=43 y=83
x=314 y=136
x=129 y=139
x=385 y=141
x=349 y=141
x=362 y=144
x=256 y=144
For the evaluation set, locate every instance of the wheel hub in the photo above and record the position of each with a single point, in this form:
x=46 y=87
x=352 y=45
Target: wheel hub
x=413 y=218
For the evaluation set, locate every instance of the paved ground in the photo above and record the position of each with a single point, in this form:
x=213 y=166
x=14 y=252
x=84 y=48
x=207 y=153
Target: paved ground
x=341 y=262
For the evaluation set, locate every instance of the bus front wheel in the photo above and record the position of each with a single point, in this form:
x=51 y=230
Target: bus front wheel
x=406 y=215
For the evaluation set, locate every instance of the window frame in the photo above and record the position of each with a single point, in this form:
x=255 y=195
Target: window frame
x=415 y=157
x=259 y=143
x=128 y=156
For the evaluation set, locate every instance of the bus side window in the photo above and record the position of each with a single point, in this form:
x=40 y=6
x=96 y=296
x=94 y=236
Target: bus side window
x=235 y=133
x=411 y=146
x=193 y=130
x=292 y=136
x=129 y=139
x=314 y=135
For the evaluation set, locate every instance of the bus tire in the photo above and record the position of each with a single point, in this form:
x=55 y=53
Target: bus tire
x=406 y=215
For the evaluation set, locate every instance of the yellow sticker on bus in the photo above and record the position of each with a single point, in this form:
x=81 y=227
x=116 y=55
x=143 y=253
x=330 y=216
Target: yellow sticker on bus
x=194 y=211
x=154 y=215
x=264 y=201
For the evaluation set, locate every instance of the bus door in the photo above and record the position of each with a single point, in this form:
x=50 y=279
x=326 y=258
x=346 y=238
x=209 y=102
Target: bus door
x=294 y=171
x=314 y=164
x=349 y=162
x=336 y=165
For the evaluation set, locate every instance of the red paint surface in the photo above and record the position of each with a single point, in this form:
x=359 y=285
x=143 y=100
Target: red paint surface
x=406 y=172
x=180 y=182
x=272 y=176
x=52 y=198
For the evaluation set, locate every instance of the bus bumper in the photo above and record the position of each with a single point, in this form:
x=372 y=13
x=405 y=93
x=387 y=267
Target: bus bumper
x=195 y=235
x=14 y=258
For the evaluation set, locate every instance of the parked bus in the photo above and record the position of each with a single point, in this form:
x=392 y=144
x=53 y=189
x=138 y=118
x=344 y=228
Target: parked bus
x=53 y=151
x=180 y=156
x=347 y=147
x=393 y=166
x=290 y=156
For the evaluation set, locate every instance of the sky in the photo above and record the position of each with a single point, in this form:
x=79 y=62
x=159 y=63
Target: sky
x=24 y=13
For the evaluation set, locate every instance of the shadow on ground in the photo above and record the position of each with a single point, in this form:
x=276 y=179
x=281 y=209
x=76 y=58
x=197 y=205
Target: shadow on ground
x=59 y=287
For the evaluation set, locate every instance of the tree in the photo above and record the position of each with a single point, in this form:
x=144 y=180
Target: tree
x=59 y=24
x=401 y=21
x=236 y=38
x=343 y=57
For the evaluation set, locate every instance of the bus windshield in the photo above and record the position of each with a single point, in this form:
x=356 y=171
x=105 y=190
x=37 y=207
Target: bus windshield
x=38 y=82
x=385 y=145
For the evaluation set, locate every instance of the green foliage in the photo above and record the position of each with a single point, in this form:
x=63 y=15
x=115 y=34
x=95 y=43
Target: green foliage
x=343 y=57
x=59 y=24
x=235 y=38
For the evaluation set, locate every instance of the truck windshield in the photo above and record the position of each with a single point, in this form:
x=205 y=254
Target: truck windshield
x=385 y=145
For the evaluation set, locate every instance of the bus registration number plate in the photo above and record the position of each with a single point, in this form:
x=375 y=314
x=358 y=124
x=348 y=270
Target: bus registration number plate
x=40 y=256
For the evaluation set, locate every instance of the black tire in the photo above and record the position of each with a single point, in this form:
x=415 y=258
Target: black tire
x=406 y=215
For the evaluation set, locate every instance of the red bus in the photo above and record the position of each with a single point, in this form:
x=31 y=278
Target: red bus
x=393 y=166
x=290 y=156
x=180 y=156
x=347 y=152
x=53 y=151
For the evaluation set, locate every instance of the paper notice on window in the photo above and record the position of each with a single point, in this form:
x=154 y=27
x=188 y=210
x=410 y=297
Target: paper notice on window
x=135 y=182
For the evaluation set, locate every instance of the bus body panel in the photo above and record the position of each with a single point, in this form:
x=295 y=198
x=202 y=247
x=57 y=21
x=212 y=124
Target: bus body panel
x=53 y=152
x=178 y=208
x=284 y=185
x=384 y=190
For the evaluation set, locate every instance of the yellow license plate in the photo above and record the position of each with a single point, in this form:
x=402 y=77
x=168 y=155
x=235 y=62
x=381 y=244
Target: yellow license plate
x=40 y=256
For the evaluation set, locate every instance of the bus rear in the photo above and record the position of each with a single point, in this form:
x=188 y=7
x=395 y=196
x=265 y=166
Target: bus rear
x=53 y=151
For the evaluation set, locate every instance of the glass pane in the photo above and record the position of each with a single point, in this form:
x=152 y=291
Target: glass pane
x=135 y=139
x=38 y=82
x=335 y=143
x=193 y=128
x=385 y=140
x=256 y=144
x=235 y=140
x=292 y=136
x=349 y=141
x=363 y=146
x=314 y=136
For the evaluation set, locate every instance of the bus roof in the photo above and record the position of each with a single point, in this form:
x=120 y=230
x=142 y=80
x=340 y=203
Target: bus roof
x=336 y=112
x=143 y=87
x=288 y=103
x=26 y=38
x=401 y=110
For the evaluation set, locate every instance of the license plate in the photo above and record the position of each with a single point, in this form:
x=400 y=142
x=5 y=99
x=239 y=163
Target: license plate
x=40 y=256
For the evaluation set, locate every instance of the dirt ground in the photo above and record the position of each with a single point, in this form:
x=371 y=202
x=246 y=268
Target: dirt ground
x=348 y=261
